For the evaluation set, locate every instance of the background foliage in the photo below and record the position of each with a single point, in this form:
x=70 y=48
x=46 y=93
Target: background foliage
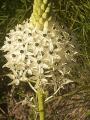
x=75 y=14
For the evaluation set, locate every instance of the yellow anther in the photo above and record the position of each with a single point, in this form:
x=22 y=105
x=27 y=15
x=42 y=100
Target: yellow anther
x=45 y=1
x=41 y=20
x=44 y=16
x=47 y=10
x=43 y=7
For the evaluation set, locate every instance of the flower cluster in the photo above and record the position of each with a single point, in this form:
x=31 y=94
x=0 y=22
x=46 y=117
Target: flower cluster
x=33 y=54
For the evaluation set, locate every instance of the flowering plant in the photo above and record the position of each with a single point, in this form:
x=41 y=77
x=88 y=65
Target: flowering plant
x=42 y=57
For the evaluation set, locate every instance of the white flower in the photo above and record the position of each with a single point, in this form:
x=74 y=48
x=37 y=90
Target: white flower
x=15 y=81
x=29 y=72
x=44 y=81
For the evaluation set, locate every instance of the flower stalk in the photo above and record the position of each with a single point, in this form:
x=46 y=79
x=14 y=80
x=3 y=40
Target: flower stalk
x=40 y=18
x=40 y=96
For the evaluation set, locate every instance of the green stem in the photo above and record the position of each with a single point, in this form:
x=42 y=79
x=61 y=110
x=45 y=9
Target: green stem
x=40 y=96
x=41 y=13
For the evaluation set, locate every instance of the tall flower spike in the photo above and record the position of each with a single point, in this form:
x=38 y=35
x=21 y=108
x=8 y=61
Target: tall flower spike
x=41 y=13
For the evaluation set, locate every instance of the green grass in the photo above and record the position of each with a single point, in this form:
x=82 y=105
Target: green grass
x=76 y=16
